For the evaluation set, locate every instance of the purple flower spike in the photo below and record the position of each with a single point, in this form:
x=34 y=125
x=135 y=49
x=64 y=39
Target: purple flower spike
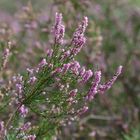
x=84 y=24
x=78 y=41
x=104 y=87
x=82 y=27
x=58 y=29
x=78 y=37
x=65 y=67
x=94 y=87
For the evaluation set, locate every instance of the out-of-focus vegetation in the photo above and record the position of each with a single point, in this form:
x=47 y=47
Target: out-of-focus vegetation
x=133 y=135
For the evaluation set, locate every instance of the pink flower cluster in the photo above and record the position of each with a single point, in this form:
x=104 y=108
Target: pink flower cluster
x=78 y=37
x=58 y=29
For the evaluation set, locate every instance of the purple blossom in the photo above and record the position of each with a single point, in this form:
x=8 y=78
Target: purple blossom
x=6 y=52
x=1 y=126
x=78 y=41
x=56 y=71
x=32 y=80
x=23 y=111
x=83 y=110
x=2 y=129
x=26 y=126
x=65 y=55
x=58 y=29
x=104 y=87
x=94 y=87
x=19 y=88
x=31 y=137
x=66 y=67
x=18 y=81
x=88 y=74
x=30 y=71
x=75 y=67
x=71 y=99
x=73 y=92
x=82 y=71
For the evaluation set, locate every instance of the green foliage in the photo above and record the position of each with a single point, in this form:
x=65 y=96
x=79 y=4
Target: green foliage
x=134 y=134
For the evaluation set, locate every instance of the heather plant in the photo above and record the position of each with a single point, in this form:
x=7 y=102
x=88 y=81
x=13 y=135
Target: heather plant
x=51 y=94
x=116 y=27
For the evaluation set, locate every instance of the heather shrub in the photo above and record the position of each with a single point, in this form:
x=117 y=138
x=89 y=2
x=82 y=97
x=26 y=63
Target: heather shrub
x=116 y=28
x=51 y=94
x=33 y=51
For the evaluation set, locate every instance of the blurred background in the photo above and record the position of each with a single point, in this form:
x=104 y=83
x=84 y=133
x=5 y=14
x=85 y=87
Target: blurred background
x=113 y=38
